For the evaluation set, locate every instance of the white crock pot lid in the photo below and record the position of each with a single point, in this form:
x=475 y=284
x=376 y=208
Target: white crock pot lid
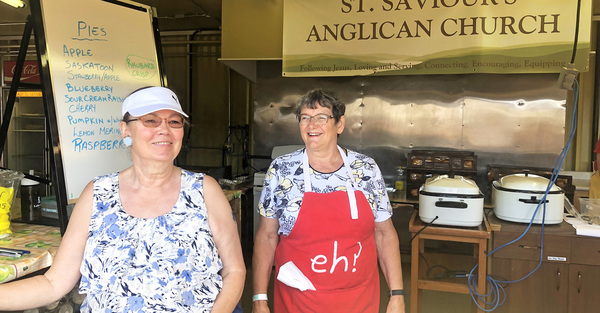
x=526 y=182
x=448 y=185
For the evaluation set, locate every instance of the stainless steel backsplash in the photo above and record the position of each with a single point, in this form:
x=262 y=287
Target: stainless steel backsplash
x=508 y=119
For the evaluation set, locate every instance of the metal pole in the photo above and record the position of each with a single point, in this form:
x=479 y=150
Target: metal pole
x=596 y=109
x=14 y=86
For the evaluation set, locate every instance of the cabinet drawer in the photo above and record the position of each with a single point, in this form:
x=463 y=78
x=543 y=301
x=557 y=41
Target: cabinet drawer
x=585 y=250
x=556 y=248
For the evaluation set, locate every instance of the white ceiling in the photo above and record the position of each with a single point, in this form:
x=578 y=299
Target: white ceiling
x=172 y=14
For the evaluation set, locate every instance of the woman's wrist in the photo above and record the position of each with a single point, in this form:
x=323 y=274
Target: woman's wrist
x=260 y=297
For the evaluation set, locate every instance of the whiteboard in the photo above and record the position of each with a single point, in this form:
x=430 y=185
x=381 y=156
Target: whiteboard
x=97 y=52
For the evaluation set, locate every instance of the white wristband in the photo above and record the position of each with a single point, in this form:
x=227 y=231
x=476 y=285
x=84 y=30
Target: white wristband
x=260 y=296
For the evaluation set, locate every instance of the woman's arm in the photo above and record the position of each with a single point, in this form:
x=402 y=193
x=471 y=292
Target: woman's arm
x=265 y=243
x=225 y=234
x=388 y=253
x=64 y=273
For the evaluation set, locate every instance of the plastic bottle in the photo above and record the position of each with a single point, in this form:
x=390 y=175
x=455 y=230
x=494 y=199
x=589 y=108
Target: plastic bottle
x=400 y=179
x=31 y=208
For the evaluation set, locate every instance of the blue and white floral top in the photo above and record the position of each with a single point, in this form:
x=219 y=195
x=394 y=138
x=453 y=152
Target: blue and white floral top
x=282 y=195
x=165 y=264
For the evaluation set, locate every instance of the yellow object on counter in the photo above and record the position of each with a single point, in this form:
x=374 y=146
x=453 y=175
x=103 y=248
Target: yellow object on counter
x=6 y=199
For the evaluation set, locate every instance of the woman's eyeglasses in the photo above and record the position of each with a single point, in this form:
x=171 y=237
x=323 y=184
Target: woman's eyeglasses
x=320 y=119
x=152 y=121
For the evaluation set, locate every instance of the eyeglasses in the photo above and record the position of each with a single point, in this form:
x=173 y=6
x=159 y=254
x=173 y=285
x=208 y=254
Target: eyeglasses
x=152 y=121
x=320 y=119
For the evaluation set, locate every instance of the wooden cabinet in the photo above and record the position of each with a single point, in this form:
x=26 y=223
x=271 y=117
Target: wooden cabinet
x=584 y=294
x=543 y=291
x=584 y=275
x=567 y=279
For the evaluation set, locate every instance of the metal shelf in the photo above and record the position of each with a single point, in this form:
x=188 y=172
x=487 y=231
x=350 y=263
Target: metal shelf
x=29 y=131
x=31 y=116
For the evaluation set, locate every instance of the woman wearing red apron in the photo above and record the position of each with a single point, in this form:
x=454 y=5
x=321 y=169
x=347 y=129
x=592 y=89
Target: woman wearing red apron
x=325 y=223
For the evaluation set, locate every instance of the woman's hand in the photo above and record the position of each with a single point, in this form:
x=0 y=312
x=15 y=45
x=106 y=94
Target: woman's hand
x=396 y=305
x=260 y=306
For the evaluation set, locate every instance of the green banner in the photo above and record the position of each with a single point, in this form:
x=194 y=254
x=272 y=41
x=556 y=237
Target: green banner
x=408 y=37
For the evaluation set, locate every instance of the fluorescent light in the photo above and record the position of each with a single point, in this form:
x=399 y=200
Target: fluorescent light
x=14 y=3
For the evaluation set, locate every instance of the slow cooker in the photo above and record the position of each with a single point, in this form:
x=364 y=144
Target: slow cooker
x=517 y=196
x=451 y=200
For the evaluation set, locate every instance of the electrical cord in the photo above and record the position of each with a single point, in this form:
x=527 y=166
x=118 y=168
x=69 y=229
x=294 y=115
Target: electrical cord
x=446 y=273
x=424 y=259
x=252 y=167
x=496 y=295
x=576 y=32
x=417 y=233
x=422 y=229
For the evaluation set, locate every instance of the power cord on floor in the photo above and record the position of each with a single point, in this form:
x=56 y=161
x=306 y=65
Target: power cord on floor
x=444 y=273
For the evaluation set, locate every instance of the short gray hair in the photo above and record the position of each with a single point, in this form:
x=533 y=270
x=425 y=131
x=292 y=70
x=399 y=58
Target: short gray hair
x=322 y=97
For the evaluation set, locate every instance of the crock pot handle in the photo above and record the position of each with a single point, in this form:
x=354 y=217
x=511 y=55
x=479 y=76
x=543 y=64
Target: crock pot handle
x=451 y=204
x=533 y=200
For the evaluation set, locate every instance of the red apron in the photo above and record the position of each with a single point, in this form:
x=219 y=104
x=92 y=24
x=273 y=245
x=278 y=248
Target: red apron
x=335 y=251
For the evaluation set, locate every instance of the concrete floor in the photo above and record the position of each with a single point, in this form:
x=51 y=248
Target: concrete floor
x=433 y=301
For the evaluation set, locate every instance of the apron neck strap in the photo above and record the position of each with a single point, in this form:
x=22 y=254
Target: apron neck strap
x=350 y=187
x=306 y=170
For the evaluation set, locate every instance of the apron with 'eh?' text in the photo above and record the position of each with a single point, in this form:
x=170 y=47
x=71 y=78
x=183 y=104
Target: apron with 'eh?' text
x=332 y=245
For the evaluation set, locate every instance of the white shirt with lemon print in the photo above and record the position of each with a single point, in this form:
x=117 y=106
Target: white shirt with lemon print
x=283 y=190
